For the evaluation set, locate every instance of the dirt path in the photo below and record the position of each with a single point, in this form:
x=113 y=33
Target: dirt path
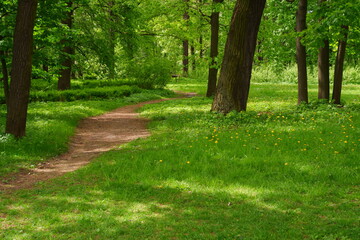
x=93 y=136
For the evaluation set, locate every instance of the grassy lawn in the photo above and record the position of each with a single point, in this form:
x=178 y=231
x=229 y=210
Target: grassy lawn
x=278 y=171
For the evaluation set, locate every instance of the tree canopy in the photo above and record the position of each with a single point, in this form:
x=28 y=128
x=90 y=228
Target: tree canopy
x=151 y=40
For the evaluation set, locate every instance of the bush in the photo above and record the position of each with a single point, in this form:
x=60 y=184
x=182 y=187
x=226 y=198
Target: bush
x=270 y=74
x=150 y=73
x=80 y=84
x=81 y=94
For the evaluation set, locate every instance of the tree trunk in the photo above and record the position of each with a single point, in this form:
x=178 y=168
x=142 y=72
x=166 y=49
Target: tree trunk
x=259 y=47
x=112 y=38
x=201 y=54
x=186 y=45
x=5 y=73
x=45 y=67
x=201 y=40
x=214 y=51
x=301 y=53
x=193 y=58
x=64 y=81
x=234 y=82
x=185 y=58
x=339 y=67
x=5 y=76
x=21 y=68
x=324 y=71
x=324 y=67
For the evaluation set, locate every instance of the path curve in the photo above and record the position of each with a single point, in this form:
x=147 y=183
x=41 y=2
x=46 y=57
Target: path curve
x=93 y=136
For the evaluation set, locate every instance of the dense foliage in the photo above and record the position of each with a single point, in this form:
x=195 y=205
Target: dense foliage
x=121 y=38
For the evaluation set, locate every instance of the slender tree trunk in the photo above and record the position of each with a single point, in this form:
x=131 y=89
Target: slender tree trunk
x=324 y=67
x=214 y=51
x=260 y=58
x=324 y=71
x=301 y=53
x=193 y=58
x=186 y=46
x=64 y=81
x=185 y=58
x=5 y=73
x=234 y=82
x=201 y=43
x=339 y=67
x=45 y=67
x=112 y=39
x=21 y=68
x=5 y=76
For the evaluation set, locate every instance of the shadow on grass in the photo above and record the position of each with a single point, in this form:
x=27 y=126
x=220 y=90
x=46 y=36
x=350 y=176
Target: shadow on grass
x=137 y=211
x=111 y=210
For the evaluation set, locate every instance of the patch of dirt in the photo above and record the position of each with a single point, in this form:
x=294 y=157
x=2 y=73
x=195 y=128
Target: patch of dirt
x=94 y=135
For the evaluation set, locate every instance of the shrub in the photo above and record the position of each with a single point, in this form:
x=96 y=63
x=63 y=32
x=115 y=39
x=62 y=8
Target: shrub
x=270 y=74
x=150 y=73
x=84 y=94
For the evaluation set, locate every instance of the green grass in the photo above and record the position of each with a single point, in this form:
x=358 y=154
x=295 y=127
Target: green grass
x=50 y=125
x=278 y=171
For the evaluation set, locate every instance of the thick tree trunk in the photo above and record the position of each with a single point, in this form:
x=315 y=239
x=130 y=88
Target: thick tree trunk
x=234 y=82
x=324 y=67
x=64 y=81
x=186 y=46
x=21 y=68
x=339 y=67
x=214 y=51
x=301 y=53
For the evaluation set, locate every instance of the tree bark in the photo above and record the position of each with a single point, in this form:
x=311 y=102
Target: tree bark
x=21 y=68
x=112 y=38
x=339 y=67
x=186 y=45
x=64 y=81
x=185 y=58
x=201 y=40
x=193 y=58
x=214 y=51
x=324 y=67
x=5 y=76
x=301 y=53
x=5 y=73
x=324 y=71
x=234 y=81
x=201 y=43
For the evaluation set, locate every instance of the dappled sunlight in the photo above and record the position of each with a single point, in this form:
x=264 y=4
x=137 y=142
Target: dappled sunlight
x=141 y=212
x=250 y=195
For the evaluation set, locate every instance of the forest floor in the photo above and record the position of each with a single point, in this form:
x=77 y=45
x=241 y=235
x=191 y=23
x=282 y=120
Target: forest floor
x=94 y=136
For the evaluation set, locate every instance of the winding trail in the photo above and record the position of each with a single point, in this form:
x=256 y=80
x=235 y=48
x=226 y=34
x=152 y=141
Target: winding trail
x=93 y=136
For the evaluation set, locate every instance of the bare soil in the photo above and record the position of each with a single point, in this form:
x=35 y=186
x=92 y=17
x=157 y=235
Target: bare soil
x=93 y=136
